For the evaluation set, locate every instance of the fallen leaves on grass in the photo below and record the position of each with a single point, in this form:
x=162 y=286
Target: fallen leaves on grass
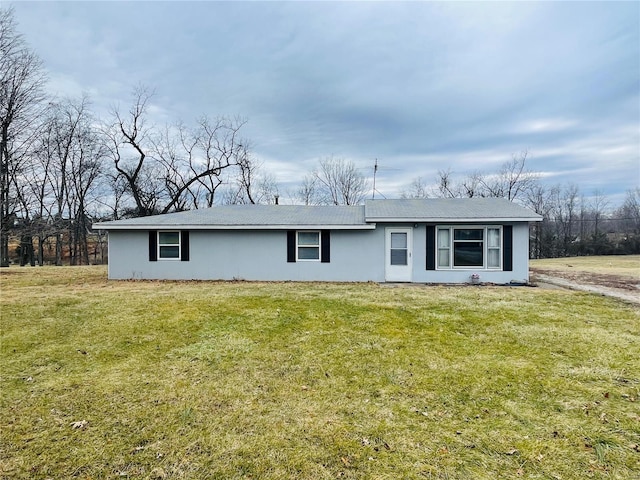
x=79 y=424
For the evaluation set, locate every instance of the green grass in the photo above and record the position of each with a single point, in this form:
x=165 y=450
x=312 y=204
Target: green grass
x=624 y=265
x=237 y=380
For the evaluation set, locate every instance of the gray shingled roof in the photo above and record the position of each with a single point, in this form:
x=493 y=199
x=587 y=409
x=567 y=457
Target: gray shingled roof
x=250 y=216
x=346 y=217
x=438 y=209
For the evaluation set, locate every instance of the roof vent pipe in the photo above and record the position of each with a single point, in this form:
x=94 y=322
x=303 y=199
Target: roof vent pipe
x=277 y=197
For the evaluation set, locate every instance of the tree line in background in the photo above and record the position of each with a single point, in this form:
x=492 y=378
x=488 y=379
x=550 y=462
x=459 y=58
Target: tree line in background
x=62 y=168
x=572 y=223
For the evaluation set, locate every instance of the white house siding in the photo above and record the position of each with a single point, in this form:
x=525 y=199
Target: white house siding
x=356 y=256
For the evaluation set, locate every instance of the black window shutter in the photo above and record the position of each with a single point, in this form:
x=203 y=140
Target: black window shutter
x=431 y=247
x=153 y=246
x=507 y=252
x=291 y=246
x=325 y=254
x=184 y=245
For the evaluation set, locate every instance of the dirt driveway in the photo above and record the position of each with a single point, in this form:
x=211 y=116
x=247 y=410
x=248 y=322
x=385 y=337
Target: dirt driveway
x=622 y=287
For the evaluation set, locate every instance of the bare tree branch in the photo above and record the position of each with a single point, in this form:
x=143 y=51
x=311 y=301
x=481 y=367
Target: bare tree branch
x=22 y=82
x=335 y=181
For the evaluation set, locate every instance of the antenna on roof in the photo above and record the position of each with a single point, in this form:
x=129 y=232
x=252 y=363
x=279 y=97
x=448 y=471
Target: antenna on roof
x=375 y=170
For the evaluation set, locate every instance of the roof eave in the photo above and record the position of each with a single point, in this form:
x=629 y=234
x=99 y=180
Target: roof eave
x=155 y=226
x=452 y=219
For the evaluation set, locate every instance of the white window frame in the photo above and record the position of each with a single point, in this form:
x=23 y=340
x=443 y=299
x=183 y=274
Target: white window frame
x=450 y=248
x=179 y=245
x=299 y=245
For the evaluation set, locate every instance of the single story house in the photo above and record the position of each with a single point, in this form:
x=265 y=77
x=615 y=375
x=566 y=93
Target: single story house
x=412 y=240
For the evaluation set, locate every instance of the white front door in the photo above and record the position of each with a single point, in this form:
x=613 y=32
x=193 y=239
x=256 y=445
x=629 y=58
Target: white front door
x=398 y=264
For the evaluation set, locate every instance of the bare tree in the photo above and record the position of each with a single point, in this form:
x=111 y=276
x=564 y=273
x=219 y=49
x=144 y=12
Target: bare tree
x=473 y=186
x=129 y=146
x=629 y=221
x=629 y=212
x=66 y=163
x=21 y=95
x=86 y=165
x=446 y=186
x=42 y=169
x=179 y=167
x=512 y=181
x=449 y=187
x=252 y=186
x=58 y=145
x=308 y=191
x=416 y=189
x=599 y=203
x=196 y=162
x=564 y=211
x=540 y=200
x=225 y=158
x=335 y=181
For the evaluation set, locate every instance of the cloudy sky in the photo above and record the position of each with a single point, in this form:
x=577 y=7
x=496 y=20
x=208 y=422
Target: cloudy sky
x=419 y=86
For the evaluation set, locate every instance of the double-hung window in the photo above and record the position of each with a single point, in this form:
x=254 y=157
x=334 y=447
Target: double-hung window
x=469 y=247
x=308 y=246
x=169 y=245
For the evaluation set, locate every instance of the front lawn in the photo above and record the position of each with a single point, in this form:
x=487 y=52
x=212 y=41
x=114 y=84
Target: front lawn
x=183 y=380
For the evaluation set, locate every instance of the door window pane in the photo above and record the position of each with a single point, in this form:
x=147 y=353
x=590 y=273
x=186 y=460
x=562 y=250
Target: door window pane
x=398 y=256
x=398 y=240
